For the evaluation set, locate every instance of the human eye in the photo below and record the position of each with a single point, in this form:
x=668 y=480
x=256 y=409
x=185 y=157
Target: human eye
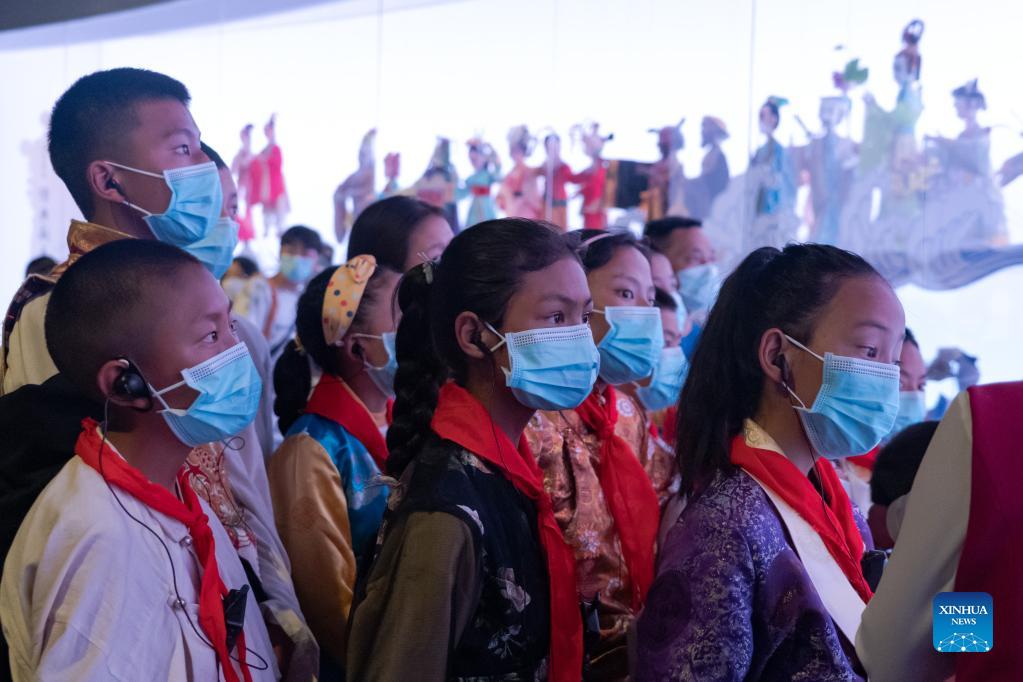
x=586 y=317
x=183 y=149
x=626 y=294
x=869 y=351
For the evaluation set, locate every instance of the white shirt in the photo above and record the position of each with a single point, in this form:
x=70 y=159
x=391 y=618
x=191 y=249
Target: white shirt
x=894 y=641
x=87 y=593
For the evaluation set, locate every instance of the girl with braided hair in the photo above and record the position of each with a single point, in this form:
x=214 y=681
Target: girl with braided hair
x=472 y=577
x=327 y=498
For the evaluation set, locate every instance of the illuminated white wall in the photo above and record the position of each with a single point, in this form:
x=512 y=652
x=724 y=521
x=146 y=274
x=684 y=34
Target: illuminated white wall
x=416 y=70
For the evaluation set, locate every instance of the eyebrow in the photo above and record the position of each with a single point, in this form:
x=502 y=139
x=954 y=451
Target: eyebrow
x=561 y=298
x=873 y=325
x=181 y=131
x=625 y=276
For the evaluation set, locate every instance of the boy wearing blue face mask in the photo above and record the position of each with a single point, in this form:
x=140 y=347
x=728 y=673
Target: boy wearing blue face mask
x=327 y=502
x=119 y=528
x=300 y=256
x=125 y=145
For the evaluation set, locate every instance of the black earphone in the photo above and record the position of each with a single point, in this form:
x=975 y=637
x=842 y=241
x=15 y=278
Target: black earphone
x=129 y=383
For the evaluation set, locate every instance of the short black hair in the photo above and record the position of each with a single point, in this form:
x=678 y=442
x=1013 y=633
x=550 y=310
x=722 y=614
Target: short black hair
x=898 y=462
x=663 y=300
x=303 y=236
x=100 y=308
x=662 y=227
x=94 y=116
x=214 y=156
x=40 y=266
x=911 y=339
x=248 y=266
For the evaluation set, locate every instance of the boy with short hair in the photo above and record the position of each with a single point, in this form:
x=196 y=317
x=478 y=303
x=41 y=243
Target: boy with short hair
x=300 y=261
x=119 y=571
x=125 y=145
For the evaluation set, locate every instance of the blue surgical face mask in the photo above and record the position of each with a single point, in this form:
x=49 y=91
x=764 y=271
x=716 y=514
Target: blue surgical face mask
x=680 y=308
x=912 y=410
x=632 y=345
x=195 y=204
x=699 y=286
x=855 y=407
x=552 y=368
x=297 y=269
x=216 y=250
x=383 y=376
x=669 y=376
x=229 y=391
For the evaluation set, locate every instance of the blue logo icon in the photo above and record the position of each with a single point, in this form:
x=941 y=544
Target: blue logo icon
x=963 y=622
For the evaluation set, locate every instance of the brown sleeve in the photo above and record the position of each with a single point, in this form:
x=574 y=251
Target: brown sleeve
x=422 y=591
x=311 y=513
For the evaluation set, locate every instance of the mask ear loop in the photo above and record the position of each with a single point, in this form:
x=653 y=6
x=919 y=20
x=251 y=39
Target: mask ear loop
x=783 y=366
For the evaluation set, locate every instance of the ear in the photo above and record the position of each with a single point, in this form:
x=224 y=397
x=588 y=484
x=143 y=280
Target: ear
x=351 y=348
x=773 y=362
x=102 y=182
x=106 y=382
x=469 y=331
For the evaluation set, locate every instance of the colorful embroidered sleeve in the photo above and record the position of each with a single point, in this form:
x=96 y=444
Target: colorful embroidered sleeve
x=312 y=518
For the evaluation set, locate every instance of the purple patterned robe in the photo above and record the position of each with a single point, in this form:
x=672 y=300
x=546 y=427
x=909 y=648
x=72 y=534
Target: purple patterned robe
x=732 y=601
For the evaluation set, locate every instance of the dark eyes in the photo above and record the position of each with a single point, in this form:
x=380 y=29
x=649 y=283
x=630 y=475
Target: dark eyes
x=626 y=293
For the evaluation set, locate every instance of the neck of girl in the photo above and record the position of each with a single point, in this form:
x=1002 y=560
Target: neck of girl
x=152 y=448
x=367 y=391
x=507 y=413
x=782 y=423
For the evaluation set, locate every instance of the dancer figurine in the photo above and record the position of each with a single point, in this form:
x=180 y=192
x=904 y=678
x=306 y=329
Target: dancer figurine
x=486 y=172
x=359 y=187
x=519 y=196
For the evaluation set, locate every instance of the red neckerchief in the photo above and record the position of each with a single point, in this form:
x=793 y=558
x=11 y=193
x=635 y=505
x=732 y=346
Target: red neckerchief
x=460 y=418
x=630 y=495
x=333 y=399
x=117 y=472
x=834 y=523
x=868 y=460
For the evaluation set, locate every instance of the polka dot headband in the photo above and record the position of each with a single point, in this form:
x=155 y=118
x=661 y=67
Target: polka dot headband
x=344 y=292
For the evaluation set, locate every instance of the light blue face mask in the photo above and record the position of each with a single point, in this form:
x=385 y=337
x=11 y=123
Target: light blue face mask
x=552 y=368
x=229 y=390
x=216 y=250
x=855 y=407
x=669 y=376
x=383 y=376
x=195 y=204
x=680 y=308
x=632 y=346
x=912 y=410
x=699 y=286
x=297 y=269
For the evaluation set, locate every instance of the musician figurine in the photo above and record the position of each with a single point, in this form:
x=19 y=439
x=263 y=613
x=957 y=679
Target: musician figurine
x=666 y=193
x=556 y=175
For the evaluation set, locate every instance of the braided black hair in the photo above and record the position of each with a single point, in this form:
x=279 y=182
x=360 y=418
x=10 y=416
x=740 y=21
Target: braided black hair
x=480 y=271
x=785 y=289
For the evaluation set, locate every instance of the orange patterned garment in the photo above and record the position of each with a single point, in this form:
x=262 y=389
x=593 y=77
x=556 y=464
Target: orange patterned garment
x=568 y=454
x=208 y=476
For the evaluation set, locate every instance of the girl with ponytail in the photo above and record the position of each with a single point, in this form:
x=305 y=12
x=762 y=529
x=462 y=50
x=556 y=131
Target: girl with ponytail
x=604 y=469
x=472 y=577
x=328 y=506
x=760 y=576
